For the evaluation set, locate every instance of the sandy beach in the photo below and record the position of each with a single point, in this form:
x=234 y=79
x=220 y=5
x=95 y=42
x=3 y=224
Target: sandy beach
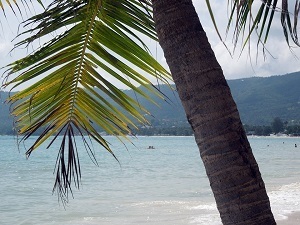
x=293 y=219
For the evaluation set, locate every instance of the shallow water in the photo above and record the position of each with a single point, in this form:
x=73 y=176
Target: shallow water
x=163 y=186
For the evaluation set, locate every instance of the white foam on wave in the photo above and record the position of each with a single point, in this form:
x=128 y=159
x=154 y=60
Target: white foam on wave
x=88 y=218
x=159 y=203
x=206 y=214
x=285 y=200
x=211 y=219
x=204 y=207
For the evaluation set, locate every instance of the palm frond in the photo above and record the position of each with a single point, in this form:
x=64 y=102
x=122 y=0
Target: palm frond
x=15 y=7
x=98 y=40
x=246 y=20
x=289 y=30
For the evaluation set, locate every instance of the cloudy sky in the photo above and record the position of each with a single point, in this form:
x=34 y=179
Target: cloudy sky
x=281 y=61
x=249 y=64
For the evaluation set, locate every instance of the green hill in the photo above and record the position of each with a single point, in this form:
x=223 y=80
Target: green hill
x=6 y=121
x=259 y=101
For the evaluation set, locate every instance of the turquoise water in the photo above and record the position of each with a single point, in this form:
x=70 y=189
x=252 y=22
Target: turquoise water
x=162 y=186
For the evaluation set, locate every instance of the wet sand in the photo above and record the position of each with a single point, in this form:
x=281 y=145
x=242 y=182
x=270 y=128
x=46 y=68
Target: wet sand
x=293 y=219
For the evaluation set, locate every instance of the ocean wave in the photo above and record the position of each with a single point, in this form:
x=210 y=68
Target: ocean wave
x=204 y=207
x=159 y=203
x=285 y=200
x=211 y=219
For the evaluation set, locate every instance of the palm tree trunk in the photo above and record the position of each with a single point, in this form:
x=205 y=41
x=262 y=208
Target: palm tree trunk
x=210 y=109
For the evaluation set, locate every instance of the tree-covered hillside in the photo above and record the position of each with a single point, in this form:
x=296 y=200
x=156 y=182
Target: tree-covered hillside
x=6 y=121
x=259 y=101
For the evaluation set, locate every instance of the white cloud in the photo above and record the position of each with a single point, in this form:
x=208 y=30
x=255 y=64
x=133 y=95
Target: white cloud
x=5 y=47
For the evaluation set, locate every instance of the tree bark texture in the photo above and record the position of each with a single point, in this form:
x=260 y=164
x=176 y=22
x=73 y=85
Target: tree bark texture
x=232 y=170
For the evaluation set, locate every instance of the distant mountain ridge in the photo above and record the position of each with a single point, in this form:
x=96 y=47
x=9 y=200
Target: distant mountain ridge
x=259 y=101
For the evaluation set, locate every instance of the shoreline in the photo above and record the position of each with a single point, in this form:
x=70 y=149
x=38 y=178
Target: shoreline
x=292 y=219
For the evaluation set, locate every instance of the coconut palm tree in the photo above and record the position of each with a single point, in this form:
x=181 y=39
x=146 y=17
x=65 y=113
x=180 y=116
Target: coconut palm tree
x=233 y=173
x=98 y=38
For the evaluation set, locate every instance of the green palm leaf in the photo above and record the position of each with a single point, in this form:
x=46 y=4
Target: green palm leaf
x=98 y=41
x=246 y=21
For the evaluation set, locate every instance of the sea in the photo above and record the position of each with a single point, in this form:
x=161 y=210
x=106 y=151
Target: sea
x=163 y=185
